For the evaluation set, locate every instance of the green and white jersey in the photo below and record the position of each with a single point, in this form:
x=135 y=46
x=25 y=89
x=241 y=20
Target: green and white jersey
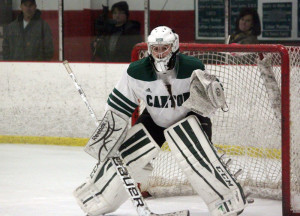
x=140 y=82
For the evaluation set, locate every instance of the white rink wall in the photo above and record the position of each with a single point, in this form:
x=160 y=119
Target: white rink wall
x=40 y=99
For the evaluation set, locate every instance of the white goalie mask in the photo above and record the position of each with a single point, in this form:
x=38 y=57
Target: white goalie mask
x=163 y=44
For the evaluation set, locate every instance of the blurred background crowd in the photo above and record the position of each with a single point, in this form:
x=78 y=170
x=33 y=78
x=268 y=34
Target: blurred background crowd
x=107 y=30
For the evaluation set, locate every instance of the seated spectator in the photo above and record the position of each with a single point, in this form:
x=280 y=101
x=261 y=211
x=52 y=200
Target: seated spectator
x=117 y=36
x=247 y=27
x=29 y=37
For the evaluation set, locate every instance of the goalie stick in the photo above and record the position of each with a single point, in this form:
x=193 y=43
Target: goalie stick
x=128 y=182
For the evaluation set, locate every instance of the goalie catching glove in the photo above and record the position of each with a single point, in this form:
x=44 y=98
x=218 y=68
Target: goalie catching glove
x=206 y=94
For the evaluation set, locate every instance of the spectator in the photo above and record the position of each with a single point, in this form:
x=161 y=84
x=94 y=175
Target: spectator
x=247 y=27
x=29 y=37
x=117 y=36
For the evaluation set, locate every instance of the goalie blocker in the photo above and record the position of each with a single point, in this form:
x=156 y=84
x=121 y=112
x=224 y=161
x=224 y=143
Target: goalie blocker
x=107 y=137
x=198 y=159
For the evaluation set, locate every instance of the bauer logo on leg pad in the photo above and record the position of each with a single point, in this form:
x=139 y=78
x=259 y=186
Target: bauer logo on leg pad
x=128 y=182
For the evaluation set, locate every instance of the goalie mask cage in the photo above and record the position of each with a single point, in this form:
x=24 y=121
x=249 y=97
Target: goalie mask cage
x=261 y=130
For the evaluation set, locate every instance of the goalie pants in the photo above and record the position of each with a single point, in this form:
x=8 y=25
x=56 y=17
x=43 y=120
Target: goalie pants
x=157 y=132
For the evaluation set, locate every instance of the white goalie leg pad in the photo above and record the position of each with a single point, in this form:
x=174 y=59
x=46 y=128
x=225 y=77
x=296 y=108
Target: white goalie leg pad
x=138 y=149
x=202 y=166
x=103 y=192
x=107 y=137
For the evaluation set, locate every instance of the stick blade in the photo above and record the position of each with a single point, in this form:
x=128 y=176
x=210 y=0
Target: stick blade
x=178 y=213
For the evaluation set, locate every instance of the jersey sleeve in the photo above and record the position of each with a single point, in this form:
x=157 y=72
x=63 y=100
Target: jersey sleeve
x=122 y=100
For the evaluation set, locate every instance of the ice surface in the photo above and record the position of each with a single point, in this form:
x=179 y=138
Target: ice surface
x=38 y=180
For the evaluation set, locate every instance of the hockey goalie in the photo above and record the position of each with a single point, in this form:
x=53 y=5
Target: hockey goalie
x=179 y=97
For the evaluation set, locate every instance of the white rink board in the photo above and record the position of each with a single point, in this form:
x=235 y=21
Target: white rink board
x=40 y=99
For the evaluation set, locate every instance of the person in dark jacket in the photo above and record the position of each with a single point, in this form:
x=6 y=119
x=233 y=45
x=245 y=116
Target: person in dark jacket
x=247 y=27
x=29 y=37
x=117 y=36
